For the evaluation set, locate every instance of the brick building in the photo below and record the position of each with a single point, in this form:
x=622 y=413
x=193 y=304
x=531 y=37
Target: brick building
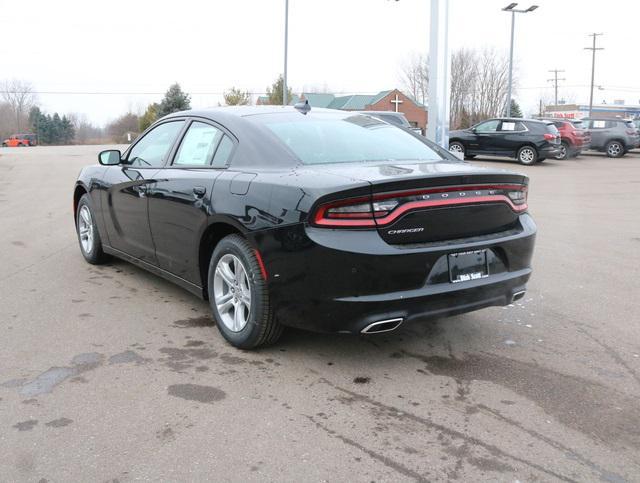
x=391 y=100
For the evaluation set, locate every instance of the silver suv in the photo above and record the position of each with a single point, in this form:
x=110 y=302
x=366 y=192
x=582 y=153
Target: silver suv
x=615 y=137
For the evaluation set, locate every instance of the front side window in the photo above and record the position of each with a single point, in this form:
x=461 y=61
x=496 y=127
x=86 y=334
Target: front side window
x=153 y=149
x=489 y=126
x=329 y=138
x=198 y=145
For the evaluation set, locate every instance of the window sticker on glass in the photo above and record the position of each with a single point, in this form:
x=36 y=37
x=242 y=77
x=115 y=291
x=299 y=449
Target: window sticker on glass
x=599 y=124
x=508 y=126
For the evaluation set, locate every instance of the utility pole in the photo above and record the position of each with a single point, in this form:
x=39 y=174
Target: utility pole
x=593 y=67
x=285 y=100
x=555 y=82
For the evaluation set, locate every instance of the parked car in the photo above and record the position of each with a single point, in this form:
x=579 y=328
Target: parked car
x=19 y=140
x=527 y=140
x=325 y=220
x=615 y=137
x=392 y=117
x=573 y=137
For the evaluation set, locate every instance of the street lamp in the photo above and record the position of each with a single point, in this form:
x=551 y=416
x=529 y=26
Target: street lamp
x=285 y=101
x=512 y=8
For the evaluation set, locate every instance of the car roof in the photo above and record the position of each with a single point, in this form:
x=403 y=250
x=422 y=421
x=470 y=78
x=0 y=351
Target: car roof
x=244 y=111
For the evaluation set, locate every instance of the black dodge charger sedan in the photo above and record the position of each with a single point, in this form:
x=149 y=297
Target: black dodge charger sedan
x=527 y=140
x=323 y=220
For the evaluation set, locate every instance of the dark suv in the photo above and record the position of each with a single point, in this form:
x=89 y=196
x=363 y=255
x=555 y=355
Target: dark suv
x=527 y=140
x=615 y=137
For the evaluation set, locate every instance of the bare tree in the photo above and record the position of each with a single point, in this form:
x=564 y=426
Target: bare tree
x=479 y=83
x=20 y=97
x=415 y=77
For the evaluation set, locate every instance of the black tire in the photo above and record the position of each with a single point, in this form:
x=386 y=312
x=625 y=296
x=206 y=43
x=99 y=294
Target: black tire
x=93 y=253
x=614 y=149
x=457 y=147
x=261 y=328
x=4 y=145
x=564 y=153
x=527 y=155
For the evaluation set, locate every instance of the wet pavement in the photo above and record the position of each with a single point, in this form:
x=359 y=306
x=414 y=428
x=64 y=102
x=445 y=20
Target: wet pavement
x=110 y=373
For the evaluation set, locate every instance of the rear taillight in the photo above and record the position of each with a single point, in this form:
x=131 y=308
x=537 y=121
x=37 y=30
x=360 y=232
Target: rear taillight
x=385 y=208
x=549 y=136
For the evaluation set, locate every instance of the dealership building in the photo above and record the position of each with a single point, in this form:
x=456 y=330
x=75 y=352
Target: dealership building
x=578 y=111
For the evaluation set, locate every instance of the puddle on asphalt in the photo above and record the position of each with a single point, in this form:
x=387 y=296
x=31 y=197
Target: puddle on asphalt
x=195 y=392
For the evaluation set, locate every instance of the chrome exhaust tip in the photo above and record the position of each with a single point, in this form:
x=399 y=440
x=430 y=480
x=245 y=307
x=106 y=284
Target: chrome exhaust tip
x=518 y=295
x=382 y=326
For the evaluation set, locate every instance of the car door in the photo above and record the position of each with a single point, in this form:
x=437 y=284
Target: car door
x=598 y=131
x=485 y=136
x=126 y=213
x=180 y=199
x=509 y=138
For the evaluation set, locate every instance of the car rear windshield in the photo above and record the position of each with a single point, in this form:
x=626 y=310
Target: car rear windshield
x=328 y=138
x=552 y=128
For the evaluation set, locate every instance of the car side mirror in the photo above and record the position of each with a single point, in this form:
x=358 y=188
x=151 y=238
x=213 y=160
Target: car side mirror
x=110 y=157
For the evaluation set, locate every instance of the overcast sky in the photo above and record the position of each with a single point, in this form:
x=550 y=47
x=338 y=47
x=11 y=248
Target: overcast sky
x=355 y=46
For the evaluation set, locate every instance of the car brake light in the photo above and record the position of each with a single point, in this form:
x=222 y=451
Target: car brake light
x=549 y=136
x=385 y=208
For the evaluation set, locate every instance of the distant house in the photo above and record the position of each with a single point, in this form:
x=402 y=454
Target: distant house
x=391 y=100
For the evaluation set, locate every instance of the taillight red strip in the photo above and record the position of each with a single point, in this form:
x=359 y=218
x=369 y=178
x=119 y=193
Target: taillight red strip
x=362 y=219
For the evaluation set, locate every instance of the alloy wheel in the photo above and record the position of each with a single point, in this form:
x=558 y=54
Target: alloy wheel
x=614 y=150
x=85 y=229
x=527 y=155
x=563 y=152
x=456 y=148
x=232 y=292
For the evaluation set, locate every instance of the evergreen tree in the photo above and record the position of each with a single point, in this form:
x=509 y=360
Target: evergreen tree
x=149 y=117
x=67 y=131
x=515 y=109
x=174 y=100
x=275 y=92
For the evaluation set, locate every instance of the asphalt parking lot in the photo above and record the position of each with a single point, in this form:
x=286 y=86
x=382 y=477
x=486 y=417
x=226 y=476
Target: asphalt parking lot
x=112 y=374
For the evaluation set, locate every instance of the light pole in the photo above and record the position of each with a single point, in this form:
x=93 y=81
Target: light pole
x=286 y=46
x=512 y=8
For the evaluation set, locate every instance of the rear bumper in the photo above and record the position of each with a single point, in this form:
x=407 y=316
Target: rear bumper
x=549 y=151
x=342 y=281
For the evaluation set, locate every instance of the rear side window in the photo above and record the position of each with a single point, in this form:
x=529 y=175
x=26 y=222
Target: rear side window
x=512 y=126
x=223 y=153
x=198 y=145
x=154 y=147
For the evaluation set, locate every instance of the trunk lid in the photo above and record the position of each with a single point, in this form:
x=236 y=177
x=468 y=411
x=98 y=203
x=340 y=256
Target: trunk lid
x=432 y=202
